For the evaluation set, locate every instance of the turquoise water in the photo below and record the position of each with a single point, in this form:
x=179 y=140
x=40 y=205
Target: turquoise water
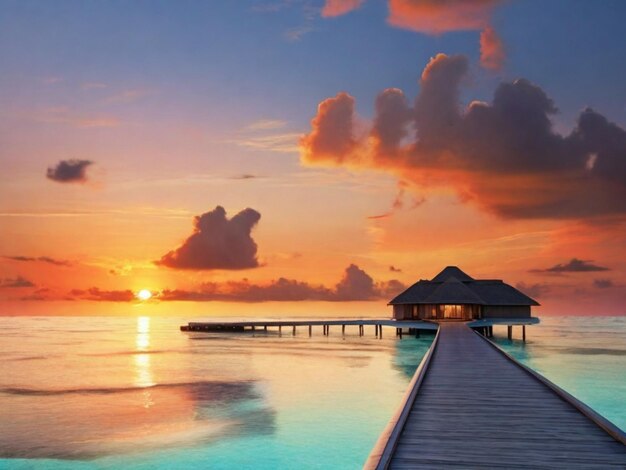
x=586 y=356
x=103 y=393
x=96 y=392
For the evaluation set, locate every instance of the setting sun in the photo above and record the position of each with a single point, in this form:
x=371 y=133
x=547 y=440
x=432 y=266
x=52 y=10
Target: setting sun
x=144 y=294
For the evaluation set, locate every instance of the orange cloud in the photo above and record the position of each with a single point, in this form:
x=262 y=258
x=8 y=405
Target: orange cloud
x=492 y=52
x=340 y=7
x=503 y=156
x=332 y=138
x=217 y=243
x=437 y=17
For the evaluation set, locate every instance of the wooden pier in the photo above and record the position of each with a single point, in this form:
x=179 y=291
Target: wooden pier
x=470 y=405
x=405 y=327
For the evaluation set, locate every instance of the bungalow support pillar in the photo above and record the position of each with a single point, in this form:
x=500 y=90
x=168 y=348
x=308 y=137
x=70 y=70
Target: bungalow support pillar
x=510 y=331
x=524 y=333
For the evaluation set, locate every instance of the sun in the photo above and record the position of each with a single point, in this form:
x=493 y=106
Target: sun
x=144 y=294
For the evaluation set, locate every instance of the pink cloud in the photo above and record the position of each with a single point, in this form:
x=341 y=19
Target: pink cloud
x=340 y=7
x=492 y=52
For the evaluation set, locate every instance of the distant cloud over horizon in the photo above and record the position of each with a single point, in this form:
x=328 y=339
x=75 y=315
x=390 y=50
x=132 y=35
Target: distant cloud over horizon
x=575 y=265
x=15 y=282
x=69 y=171
x=355 y=285
x=41 y=259
x=503 y=156
x=217 y=243
x=95 y=293
x=603 y=283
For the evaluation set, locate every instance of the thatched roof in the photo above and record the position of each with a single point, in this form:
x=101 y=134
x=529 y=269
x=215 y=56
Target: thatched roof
x=453 y=286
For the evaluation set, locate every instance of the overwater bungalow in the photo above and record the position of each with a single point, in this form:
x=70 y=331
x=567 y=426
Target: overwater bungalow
x=454 y=295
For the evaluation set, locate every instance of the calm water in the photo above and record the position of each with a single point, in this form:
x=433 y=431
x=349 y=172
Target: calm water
x=97 y=392
x=584 y=355
x=83 y=393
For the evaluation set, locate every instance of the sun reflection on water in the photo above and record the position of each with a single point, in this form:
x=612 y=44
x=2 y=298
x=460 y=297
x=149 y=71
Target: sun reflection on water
x=143 y=370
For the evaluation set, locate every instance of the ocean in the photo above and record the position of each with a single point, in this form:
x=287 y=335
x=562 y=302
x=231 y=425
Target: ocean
x=115 y=392
x=135 y=392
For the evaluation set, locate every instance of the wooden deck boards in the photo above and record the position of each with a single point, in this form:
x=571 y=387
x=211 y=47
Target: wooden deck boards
x=478 y=409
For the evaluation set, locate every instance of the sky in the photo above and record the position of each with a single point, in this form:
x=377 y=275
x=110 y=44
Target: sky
x=282 y=156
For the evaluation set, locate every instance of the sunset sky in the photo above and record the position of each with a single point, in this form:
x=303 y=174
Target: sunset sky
x=298 y=151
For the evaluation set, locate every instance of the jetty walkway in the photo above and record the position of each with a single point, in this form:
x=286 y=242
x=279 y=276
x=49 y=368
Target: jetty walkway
x=413 y=327
x=470 y=405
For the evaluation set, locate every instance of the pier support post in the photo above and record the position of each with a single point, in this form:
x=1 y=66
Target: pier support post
x=524 y=333
x=380 y=331
x=360 y=330
x=265 y=328
x=294 y=330
x=310 y=328
x=253 y=328
x=343 y=330
x=280 y=330
x=509 y=331
x=400 y=332
x=417 y=332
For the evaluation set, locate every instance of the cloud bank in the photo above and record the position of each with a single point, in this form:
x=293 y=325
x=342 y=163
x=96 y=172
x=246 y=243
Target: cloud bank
x=69 y=171
x=217 y=243
x=103 y=295
x=504 y=156
x=354 y=285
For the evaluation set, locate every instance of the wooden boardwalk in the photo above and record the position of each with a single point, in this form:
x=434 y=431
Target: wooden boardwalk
x=413 y=327
x=472 y=406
